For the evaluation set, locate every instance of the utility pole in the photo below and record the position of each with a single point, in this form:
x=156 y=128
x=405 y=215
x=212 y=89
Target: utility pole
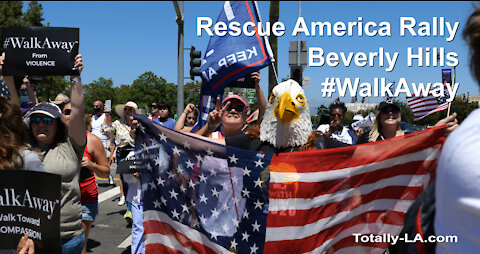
x=274 y=14
x=178 y=5
x=299 y=34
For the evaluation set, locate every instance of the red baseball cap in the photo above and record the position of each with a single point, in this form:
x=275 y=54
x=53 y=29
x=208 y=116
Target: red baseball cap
x=234 y=97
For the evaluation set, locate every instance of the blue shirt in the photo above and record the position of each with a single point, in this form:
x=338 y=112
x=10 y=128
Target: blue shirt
x=170 y=123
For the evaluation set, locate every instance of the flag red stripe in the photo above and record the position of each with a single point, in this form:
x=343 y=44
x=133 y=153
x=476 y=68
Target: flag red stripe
x=156 y=248
x=416 y=114
x=350 y=242
x=419 y=116
x=414 y=104
x=304 y=217
x=427 y=109
x=337 y=158
x=153 y=226
x=425 y=105
x=311 y=190
x=312 y=242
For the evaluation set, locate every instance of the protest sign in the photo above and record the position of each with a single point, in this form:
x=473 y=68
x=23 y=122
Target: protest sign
x=30 y=203
x=126 y=165
x=40 y=50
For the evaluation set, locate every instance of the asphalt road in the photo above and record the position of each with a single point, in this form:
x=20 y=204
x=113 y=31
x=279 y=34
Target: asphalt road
x=110 y=233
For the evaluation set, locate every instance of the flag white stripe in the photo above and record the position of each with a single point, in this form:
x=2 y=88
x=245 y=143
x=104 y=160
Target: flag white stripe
x=305 y=204
x=287 y=177
x=420 y=99
x=364 y=228
x=299 y=232
x=189 y=233
x=427 y=107
x=418 y=116
x=170 y=242
x=423 y=105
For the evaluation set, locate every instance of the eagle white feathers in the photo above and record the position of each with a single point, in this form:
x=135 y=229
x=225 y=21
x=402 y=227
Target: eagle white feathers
x=287 y=121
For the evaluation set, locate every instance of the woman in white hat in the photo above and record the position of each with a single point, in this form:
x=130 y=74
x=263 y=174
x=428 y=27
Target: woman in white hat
x=125 y=142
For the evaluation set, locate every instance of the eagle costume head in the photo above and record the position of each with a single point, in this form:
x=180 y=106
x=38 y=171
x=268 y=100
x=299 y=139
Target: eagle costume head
x=286 y=122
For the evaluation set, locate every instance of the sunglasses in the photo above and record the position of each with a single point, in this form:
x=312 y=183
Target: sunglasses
x=336 y=115
x=128 y=109
x=190 y=117
x=46 y=120
x=390 y=109
x=97 y=106
x=238 y=108
x=67 y=112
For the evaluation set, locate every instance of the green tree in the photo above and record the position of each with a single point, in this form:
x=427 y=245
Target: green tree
x=149 y=88
x=192 y=92
x=10 y=15
x=101 y=90
x=34 y=15
x=49 y=87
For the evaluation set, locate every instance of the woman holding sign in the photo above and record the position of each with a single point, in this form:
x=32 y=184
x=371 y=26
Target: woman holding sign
x=62 y=153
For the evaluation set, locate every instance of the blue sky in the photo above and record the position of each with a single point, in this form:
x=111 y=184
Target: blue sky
x=122 y=40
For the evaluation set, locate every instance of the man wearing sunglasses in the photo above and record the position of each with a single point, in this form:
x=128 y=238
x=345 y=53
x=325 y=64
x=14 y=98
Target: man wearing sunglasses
x=154 y=109
x=98 y=120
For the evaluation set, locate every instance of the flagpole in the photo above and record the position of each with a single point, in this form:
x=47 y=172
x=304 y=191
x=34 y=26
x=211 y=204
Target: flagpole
x=275 y=72
x=267 y=44
x=453 y=83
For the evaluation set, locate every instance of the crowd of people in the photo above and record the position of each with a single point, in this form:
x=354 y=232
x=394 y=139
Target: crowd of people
x=54 y=137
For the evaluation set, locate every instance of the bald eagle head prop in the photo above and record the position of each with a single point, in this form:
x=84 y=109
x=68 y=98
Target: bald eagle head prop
x=286 y=122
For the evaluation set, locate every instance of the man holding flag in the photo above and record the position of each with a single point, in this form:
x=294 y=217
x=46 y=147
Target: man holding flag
x=229 y=58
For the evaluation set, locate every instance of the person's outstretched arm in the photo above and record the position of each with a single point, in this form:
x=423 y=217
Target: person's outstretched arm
x=77 y=130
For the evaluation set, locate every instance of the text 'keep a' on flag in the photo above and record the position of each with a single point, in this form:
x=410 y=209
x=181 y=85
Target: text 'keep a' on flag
x=228 y=58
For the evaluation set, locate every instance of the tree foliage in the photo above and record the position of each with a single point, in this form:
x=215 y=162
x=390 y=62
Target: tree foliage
x=145 y=90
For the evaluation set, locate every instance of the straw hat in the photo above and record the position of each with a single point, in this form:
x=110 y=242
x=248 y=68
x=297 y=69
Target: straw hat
x=119 y=108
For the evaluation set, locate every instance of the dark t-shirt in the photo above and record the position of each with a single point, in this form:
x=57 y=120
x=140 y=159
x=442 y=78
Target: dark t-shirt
x=243 y=141
x=363 y=138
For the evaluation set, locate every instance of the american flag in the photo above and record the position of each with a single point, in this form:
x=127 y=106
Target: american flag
x=201 y=197
x=424 y=106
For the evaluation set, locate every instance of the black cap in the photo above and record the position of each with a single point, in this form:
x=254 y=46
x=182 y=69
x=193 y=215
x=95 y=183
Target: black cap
x=387 y=103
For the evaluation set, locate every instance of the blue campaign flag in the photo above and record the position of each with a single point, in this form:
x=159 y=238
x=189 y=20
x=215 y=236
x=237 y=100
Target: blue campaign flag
x=228 y=58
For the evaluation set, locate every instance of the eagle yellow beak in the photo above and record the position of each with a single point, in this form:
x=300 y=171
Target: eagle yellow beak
x=286 y=110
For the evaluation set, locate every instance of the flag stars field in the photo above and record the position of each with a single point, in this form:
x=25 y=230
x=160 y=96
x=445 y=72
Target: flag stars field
x=176 y=151
x=233 y=159
x=258 y=183
x=259 y=163
x=246 y=171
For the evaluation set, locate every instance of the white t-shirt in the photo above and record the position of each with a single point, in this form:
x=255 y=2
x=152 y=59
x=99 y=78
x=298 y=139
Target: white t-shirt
x=346 y=135
x=96 y=124
x=457 y=194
